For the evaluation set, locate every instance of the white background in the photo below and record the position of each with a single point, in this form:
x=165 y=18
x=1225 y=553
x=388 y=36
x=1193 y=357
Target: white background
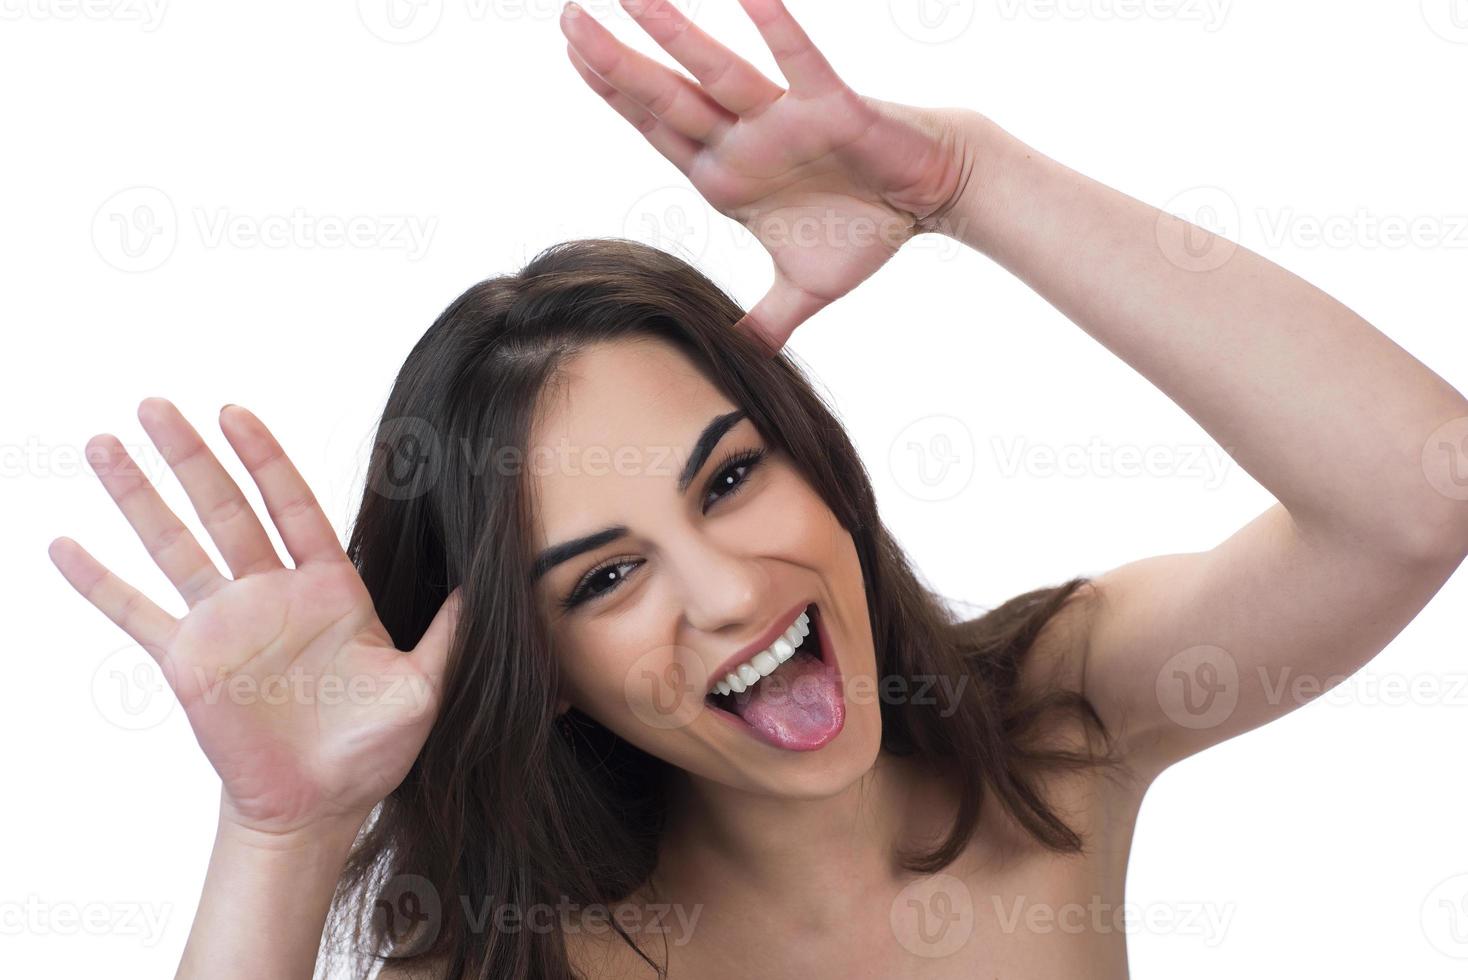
x=465 y=142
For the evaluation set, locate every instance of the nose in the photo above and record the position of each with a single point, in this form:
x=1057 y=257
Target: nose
x=723 y=587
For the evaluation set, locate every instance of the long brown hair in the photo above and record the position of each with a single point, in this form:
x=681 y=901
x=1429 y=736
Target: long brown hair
x=504 y=807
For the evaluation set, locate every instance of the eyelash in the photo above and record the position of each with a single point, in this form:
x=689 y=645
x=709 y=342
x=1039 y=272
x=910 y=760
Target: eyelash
x=750 y=458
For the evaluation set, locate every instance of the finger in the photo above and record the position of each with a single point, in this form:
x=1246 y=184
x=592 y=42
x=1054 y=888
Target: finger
x=785 y=307
x=303 y=527
x=802 y=64
x=677 y=148
x=432 y=652
x=172 y=545
x=134 y=612
x=673 y=98
x=231 y=522
x=728 y=79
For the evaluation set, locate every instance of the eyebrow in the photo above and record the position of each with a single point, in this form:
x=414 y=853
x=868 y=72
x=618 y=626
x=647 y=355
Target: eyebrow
x=702 y=449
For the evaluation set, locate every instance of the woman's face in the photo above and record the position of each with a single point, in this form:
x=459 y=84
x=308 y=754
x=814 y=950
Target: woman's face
x=690 y=580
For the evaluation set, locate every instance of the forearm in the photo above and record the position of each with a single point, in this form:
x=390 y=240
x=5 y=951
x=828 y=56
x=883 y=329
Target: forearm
x=264 y=903
x=1325 y=411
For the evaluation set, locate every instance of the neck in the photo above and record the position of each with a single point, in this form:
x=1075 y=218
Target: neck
x=811 y=864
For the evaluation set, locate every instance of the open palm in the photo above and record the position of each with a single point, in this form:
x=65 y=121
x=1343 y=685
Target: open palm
x=830 y=182
x=292 y=685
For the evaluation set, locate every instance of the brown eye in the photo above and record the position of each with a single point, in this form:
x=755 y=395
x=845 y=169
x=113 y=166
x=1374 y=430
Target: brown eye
x=609 y=573
x=734 y=473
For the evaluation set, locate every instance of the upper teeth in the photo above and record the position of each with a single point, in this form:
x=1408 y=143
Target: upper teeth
x=762 y=664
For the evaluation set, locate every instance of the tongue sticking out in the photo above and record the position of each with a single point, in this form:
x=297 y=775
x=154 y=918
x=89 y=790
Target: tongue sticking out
x=796 y=707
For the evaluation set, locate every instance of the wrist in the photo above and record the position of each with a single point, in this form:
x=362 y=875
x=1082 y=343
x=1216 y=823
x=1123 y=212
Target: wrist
x=981 y=148
x=327 y=835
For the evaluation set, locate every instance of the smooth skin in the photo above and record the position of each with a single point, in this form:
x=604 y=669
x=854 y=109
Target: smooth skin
x=1326 y=412
x=300 y=773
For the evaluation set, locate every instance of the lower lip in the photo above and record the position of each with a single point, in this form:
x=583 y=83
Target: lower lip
x=828 y=657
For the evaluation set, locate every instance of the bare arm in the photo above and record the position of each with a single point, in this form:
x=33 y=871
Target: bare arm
x=1338 y=422
x=265 y=902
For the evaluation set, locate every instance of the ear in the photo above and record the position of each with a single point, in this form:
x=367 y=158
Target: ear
x=562 y=706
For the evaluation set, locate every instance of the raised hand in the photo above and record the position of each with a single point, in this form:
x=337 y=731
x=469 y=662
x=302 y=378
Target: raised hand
x=832 y=183
x=293 y=687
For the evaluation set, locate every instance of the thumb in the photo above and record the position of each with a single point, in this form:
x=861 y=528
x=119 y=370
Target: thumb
x=431 y=655
x=774 y=318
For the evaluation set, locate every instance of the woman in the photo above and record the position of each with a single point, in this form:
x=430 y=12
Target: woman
x=620 y=675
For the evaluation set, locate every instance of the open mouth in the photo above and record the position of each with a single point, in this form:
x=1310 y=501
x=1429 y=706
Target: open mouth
x=787 y=696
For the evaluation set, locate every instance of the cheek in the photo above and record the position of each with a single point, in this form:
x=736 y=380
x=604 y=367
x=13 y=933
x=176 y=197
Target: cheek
x=792 y=521
x=640 y=693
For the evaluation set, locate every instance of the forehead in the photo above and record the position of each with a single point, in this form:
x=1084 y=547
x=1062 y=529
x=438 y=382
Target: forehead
x=619 y=421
